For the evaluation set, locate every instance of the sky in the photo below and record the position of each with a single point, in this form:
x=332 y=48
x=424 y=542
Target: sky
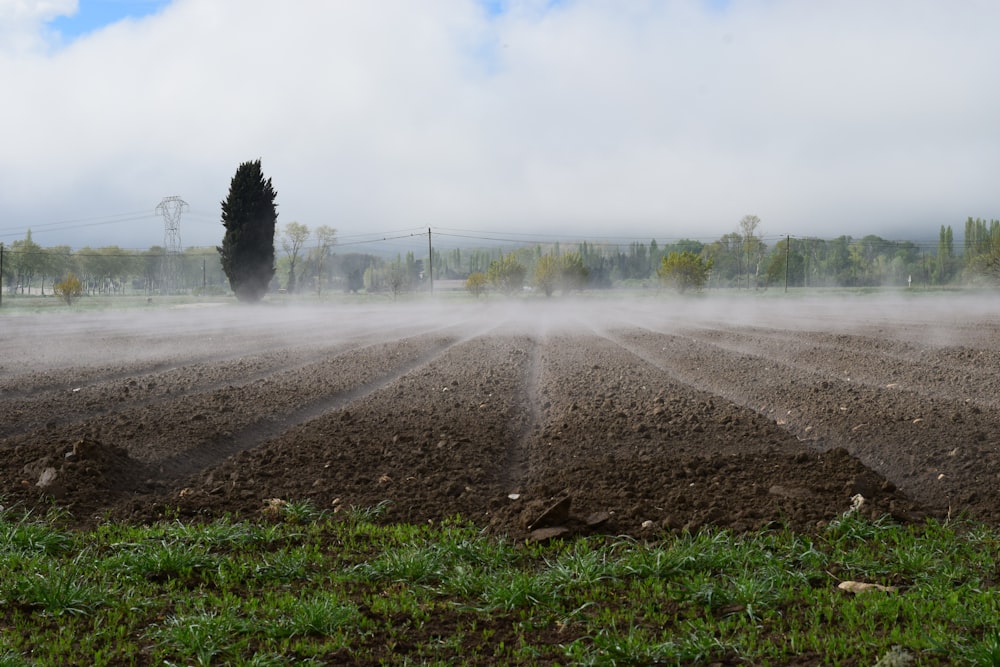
x=534 y=119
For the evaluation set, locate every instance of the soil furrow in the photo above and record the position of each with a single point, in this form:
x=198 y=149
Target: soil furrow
x=526 y=421
x=904 y=435
x=162 y=356
x=138 y=388
x=211 y=453
x=434 y=441
x=661 y=455
x=938 y=372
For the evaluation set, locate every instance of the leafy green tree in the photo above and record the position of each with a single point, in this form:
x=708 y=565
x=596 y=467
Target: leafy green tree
x=249 y=215
x=59 y=262
x=109 y=268
x=326 y=238
x=565 y=272
x=397 y=277
x=726 y=256
x=351 y=267
x=753 y=246
x=27 y=260
x=945 y=265
x=292 y=241
x=573 y=275
x=476 y=283
x=414 y=269
x=837 y=261
x=546 y=275
x=787 y=263
x=151 y=268
x=684 y=271
x=987 y=266
x=980 y=237
x=507 y=274
x=982 y=250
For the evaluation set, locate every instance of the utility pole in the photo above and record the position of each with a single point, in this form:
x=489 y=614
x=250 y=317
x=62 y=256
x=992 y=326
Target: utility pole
x=430 y=259
x=171 y=208
x=1 y=273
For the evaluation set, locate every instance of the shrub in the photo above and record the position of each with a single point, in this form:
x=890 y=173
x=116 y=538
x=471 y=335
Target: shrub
x=68 y=288
x=684 y=271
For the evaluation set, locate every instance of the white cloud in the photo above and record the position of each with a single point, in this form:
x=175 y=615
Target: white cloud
x=23 y=24
x=661 y=119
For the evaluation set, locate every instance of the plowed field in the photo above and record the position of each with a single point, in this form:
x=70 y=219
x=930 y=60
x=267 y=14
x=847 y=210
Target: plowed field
x=535 y=418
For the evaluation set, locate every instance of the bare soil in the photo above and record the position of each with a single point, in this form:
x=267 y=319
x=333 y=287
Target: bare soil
x=532 y=419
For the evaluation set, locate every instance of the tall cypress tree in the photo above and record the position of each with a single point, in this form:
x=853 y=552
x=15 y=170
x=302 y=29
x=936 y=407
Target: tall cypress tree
x=249 y=215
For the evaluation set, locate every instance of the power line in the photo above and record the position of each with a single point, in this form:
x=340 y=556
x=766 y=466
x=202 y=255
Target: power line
x=536 y=239
x=46 y=228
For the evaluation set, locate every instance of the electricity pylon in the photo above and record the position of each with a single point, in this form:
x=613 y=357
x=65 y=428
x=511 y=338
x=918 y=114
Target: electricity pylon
x=171 y=208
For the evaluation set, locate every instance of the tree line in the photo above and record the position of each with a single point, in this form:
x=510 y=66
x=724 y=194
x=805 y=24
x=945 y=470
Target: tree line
x=247 y=263
x=308 y=262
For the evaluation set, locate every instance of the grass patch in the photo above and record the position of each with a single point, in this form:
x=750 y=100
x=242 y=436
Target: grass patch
x=320 y=588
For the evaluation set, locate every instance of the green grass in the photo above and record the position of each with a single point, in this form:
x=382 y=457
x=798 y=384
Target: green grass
x=312 y=587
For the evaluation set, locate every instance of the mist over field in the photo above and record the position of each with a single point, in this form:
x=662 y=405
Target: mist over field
x=641 y=405
x=55 y=339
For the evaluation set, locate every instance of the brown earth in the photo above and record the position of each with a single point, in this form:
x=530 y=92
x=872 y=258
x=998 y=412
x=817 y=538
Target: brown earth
x=639 y=418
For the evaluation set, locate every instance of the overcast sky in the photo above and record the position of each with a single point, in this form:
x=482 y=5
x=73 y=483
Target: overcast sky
x=572 y=119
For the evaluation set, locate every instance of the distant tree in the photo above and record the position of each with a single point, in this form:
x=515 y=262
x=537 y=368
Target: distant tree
x=982 y=251
x=546 y=274
x=106 y=270
x=68 y=288
x=987 y=266
x=476 y=283
x=786 y=266
x=726 y=253
x=352 y=268
x=980 y=237
x=373 y=278
x=945 y=255
x=59 y=262
x=292 y=241
x=397 y=278
x=414 y=269
x=752 y=244
x=684 y=271
x=654 y=255
x=27 y=260
x=573 y=275
x=249 y=215
x=686 y=244
x=837 y=261
x=326 y=238
x=6 y=275
x=507 y=274
x=151 y=263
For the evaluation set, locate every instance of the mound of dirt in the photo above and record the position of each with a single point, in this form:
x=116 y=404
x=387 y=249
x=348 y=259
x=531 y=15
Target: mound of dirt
x=84 y=476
